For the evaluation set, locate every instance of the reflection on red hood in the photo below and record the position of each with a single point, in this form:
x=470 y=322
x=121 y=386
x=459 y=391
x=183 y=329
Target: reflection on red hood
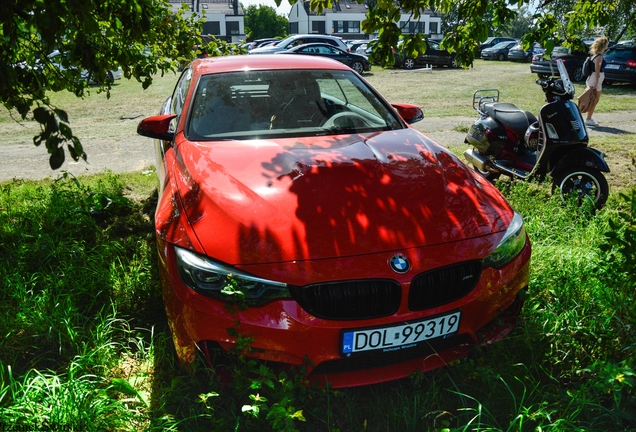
x=309 y=198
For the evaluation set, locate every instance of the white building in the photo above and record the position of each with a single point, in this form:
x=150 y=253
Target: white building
x=345 y=17
x=223 y=18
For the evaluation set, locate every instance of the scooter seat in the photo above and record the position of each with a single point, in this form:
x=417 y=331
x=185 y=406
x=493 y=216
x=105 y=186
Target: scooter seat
x=514 y=118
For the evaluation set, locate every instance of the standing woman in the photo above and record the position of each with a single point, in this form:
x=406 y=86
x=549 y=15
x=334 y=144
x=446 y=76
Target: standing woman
x=595 y=80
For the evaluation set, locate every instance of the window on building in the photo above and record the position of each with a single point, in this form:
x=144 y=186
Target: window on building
x=318 y=27
x=212 y=27
x=433 y=27
x=346 y=27
x=232 y=28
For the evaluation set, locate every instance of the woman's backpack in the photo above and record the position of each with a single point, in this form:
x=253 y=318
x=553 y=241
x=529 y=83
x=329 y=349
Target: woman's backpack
x=588 y=66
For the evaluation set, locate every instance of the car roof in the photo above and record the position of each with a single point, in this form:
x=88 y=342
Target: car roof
x=236 y=63
x=316 y=36
x=317 y=44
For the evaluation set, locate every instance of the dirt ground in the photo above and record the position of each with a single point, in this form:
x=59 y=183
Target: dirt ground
x=136 y=153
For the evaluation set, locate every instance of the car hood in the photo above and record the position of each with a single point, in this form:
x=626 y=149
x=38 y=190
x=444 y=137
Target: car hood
x=292 y=199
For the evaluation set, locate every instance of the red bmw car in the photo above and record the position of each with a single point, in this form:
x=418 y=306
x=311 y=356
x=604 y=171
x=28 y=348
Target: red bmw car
x=359 y=244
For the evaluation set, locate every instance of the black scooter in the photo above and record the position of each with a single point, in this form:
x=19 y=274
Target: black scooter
x=510 y=141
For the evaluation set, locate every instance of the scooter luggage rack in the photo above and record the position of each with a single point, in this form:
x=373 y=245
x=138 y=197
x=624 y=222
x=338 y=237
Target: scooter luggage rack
x=483 y=96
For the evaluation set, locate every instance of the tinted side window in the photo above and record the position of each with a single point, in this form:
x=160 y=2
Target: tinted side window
x=620 y=54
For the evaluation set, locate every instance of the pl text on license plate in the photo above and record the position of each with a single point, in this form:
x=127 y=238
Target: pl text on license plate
x=612 y=66
x=399 y=336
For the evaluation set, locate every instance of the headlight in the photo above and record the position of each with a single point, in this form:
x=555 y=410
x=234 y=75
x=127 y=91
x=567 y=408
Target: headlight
x=511 y=244
x=209 y=277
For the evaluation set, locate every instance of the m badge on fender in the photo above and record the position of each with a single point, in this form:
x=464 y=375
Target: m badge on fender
x=399 y=263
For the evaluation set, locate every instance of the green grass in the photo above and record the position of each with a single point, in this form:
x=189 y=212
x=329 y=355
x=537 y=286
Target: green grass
x=449 y=92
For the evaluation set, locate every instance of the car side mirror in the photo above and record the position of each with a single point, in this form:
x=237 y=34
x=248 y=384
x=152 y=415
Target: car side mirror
x=157 y=127
x=409 y=113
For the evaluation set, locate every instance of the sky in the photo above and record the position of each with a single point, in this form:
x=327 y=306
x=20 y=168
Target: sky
x=283 y=9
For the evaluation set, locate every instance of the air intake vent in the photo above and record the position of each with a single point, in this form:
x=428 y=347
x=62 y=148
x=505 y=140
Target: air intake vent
x=443 y=285
x=350 y=300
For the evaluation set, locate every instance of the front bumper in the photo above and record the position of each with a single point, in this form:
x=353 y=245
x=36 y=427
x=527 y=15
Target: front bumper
x=283 y=332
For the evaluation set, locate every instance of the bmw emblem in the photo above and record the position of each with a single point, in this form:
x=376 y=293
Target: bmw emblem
x=399 y=264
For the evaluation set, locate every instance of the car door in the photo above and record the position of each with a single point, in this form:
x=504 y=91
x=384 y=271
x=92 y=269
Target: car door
x=335 y=53
x=434 y=55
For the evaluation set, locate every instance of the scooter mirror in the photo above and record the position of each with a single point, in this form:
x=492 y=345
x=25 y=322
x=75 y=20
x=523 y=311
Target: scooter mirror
x=565 y=78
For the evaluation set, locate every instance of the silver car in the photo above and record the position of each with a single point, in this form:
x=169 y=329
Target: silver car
x=296 y=40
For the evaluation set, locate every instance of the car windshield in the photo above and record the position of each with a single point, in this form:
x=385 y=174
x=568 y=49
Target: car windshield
x=560 y=51
x=283 y=103
x=501 y=45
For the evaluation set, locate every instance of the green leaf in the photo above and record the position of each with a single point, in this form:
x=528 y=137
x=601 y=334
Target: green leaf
x=66 y=131
x=42 y=115
x=123 y=386
x=61 y=114
x=57 y=158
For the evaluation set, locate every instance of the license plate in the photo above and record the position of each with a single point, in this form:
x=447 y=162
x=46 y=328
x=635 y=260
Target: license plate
x=400 y=336
x=612 y=66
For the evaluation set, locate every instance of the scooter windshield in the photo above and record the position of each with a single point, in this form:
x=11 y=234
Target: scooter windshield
x=565 y=78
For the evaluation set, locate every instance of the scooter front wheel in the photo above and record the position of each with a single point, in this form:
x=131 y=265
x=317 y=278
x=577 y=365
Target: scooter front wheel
x=582 y=183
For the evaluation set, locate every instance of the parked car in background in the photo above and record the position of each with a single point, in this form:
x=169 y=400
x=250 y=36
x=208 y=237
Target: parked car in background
x=434 y=56
x=57 y=60
x=362 y=49
x=491 y=42
x=517 y=53
x=259 y=43
x=362 y=250
x=573 y=61
x=498 y=52
x=357 y=62
x=296 y=40
x=621 y=63
x=355 y=44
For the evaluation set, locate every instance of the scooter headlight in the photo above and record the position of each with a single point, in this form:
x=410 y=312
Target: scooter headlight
x=510 y=245
x=210 y=278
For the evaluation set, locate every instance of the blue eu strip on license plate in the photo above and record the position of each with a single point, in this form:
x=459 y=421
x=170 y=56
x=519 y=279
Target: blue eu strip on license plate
x=400 y=336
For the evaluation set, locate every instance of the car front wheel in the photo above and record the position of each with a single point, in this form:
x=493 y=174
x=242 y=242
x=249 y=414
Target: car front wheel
x=578 y=74
x=409 y=63
x=357 y=66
